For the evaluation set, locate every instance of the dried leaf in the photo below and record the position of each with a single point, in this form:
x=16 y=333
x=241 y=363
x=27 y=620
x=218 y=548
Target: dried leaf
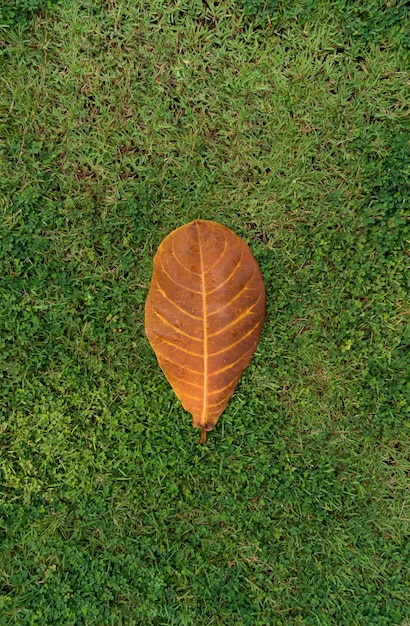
x=204 y=315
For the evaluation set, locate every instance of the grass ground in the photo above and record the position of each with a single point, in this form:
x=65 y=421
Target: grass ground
x=121 y=121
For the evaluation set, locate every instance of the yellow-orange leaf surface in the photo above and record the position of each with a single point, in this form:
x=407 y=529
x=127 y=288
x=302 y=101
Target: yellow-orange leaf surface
x=204 y=315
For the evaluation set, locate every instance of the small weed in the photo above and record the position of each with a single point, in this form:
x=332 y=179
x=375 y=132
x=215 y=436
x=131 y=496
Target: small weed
x=19 y=12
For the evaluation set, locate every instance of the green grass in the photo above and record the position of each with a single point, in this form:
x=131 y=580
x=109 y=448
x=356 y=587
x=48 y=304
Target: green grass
x=121 y=121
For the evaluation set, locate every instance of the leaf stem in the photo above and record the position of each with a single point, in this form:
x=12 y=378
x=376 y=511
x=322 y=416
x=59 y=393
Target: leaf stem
x=203 y=436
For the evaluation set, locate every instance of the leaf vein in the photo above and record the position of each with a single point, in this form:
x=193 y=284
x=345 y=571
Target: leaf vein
x=168 y=275
x=237 y=319
x=238 y=341
x=238 y=295
x=165 y=295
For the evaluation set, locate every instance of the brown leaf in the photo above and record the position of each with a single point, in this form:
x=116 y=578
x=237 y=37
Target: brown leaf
x=204 y=315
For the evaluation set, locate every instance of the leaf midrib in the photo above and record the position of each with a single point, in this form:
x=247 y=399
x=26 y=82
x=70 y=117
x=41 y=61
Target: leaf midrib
x=205 y=330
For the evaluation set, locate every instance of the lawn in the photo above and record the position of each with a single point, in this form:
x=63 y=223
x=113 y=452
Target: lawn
x=288 y=123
